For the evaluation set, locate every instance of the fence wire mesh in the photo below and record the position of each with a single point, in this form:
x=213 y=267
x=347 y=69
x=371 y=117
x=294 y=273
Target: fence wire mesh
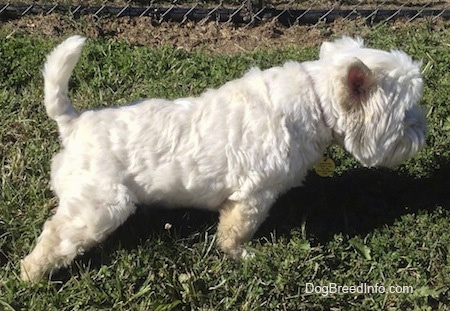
x=248 y=12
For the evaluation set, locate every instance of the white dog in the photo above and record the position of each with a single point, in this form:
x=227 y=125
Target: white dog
x=233 y=149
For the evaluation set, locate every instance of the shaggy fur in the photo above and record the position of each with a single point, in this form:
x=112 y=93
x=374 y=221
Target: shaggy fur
x=233 y=149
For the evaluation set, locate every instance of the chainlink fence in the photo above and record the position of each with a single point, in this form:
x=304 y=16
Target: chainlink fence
x=247 y=13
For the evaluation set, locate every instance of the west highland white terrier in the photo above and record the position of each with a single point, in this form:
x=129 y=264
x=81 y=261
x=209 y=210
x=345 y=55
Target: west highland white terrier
x=233 y=149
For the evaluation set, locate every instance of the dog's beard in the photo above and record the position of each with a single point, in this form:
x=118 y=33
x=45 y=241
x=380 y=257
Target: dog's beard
x=386 y=139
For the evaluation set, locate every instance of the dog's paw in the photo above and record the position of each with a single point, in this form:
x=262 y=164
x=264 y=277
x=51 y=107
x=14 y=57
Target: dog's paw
x=30 y=272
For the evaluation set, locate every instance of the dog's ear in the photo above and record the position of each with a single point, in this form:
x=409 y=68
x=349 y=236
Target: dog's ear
x=359 y=81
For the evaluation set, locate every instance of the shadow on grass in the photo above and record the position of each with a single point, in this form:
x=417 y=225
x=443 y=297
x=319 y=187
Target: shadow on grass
x=354 y=203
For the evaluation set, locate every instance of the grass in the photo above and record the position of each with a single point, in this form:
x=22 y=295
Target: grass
x=377 y=226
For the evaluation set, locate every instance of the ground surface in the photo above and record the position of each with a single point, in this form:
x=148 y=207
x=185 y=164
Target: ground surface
x=222 y=38
x=361 y=226
x=217 y=38
x=304 y=4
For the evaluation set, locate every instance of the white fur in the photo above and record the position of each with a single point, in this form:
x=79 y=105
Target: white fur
x=232 y=149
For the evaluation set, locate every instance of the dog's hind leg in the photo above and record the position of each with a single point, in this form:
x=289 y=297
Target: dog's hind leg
x=237 y=224
x=70 y=232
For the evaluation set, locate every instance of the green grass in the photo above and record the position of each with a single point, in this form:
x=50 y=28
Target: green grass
x=375 y=226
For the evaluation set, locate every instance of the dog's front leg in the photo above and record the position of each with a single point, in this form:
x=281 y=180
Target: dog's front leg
x=238 y=222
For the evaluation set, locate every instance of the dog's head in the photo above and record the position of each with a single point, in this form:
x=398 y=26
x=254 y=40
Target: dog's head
x=374 y=98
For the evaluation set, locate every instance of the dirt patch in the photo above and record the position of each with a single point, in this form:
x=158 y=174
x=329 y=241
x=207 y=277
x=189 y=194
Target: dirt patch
x=209 y=36
x=304 y=4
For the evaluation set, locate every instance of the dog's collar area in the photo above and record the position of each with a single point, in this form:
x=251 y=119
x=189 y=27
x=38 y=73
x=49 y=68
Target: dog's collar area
x=334 y=135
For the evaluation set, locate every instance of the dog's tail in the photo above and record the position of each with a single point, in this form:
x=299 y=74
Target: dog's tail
x=57 y=71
